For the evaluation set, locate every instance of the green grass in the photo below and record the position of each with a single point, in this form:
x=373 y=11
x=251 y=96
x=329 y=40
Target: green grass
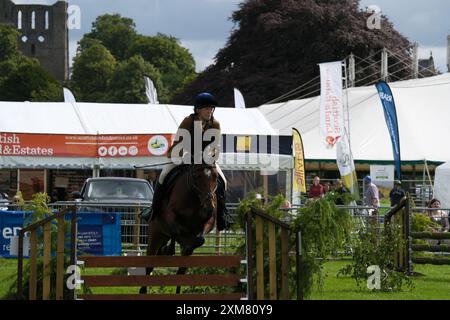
x=434 y=285
x=8 y=272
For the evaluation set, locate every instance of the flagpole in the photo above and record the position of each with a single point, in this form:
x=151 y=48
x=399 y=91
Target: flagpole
x=347 y=129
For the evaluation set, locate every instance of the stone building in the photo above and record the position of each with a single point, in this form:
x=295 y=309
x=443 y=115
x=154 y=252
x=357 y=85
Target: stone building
x=43 y=32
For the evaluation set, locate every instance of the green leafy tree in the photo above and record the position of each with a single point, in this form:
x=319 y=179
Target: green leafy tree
x=175 y=63
x=22 y=78
x=93 y=70
x=277 y=44
x=8 y=41
x=26 y=80
x=115 y=32
x=128 y=85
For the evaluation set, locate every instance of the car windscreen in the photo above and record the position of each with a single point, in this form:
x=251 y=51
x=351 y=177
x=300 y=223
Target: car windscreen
x=118 y=190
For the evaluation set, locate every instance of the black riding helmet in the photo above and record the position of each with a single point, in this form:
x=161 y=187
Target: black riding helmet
x=204 y=100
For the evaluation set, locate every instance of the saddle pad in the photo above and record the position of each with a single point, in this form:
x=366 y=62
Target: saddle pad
x=173 y=175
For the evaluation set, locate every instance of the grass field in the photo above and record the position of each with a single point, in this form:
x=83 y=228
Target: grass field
x=434 y=285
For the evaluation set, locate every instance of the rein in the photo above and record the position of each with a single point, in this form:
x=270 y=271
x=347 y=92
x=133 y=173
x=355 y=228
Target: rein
x=196 y=189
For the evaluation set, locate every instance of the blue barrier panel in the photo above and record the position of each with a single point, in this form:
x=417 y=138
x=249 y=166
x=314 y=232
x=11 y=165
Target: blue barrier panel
x=11 y=223
x=98 y=233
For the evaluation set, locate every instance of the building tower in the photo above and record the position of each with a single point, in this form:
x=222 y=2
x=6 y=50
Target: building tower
x=43 y=32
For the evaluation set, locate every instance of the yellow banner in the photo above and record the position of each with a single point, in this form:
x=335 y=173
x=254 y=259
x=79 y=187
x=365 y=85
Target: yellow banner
x=299 y=183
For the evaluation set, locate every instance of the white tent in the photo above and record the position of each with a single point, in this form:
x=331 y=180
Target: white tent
x=124 y=119
x=423 y=110
x=442 y=185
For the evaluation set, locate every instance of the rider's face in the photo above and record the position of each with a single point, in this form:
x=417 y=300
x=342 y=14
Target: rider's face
x=206 y=113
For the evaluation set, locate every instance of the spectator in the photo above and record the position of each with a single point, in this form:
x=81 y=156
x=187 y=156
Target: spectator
x=438 y=216
x=339 y=191
x=371 y=194
x=397 y=194
x=326 y=187
x=316 y=190
x=152 y=178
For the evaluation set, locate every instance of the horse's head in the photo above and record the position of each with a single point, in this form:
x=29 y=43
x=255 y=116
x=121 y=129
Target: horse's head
x=204 y=185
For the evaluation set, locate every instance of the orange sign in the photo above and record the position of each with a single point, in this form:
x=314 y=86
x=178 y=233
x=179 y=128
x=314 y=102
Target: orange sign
x=87 y=146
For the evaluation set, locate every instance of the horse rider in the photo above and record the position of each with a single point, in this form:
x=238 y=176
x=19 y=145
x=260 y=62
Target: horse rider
x=204 y=107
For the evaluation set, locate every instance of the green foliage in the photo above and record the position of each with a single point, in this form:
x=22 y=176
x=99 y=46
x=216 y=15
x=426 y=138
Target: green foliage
x=167 y=63
x=40 y=210
x=375 y=247
x=22 y=78
x=8 y=42
x=93 y=70
x=276 y=45
x=128 y=85
x=422 y=223
x=175 y=63
x=25 y=80
x=324 y=229
x=115 y=32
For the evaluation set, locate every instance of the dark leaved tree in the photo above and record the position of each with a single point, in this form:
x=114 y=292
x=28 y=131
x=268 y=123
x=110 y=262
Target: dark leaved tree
x=277 y=44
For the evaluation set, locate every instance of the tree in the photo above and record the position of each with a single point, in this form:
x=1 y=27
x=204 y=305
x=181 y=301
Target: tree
x=93 y=69
x=8 y=41
x=128 y=85
x=115 y=32
x=175 y=63
x=22 y=78
x=277 y=44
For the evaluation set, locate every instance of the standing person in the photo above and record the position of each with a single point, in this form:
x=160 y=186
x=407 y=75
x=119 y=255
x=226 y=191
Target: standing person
x=152 y=179
x=326 y=187
x=397 y=194
x=371 y=195
x=339 y=190
x=316 y=190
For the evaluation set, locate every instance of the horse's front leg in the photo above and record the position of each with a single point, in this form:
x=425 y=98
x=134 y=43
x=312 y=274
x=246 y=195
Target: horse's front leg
x=185 y=251
x=156 y=239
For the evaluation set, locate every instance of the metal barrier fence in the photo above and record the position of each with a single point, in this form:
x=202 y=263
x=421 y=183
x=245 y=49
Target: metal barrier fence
x=134 y=231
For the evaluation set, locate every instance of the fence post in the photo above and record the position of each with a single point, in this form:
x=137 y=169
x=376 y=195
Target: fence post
x=46 y=284
x=284 y=264
x=20 y=267
x=408 y=243
x=298 y=251
x=272 y=262
x=259 y=258
x=60 y=260
x=33 y=266
x=73 y=243
x=250 y=265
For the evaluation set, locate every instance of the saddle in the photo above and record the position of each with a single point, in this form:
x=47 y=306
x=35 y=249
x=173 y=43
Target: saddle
x=173 y=175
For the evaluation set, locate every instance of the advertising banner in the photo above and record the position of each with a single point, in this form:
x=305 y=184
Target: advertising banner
x=390 y=114
x=331 y=103
x=299 y=181
x=104 y=146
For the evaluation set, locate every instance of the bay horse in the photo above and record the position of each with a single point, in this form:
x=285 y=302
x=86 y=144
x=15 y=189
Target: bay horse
x=187 y=209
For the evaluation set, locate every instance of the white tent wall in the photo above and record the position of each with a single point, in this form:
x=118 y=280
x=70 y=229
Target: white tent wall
x=442 y=185
x=423 y=110
x=110 y=119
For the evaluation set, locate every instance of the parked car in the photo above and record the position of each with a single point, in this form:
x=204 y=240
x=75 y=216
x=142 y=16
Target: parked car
x=117 y=195
x=115 y=190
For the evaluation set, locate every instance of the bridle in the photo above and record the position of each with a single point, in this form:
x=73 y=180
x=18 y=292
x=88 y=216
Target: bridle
x=191 y=184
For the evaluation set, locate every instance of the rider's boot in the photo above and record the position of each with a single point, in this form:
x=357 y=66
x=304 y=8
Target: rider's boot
x=222 y=211
x=147 y=214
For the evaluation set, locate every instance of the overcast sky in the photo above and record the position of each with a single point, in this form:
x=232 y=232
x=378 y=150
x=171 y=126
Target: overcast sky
x=203 y=26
